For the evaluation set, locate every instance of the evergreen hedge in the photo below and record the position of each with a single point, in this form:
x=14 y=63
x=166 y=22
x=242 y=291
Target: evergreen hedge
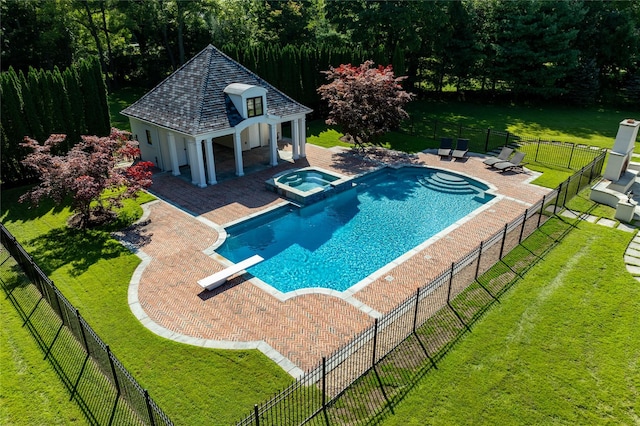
x=43 y=102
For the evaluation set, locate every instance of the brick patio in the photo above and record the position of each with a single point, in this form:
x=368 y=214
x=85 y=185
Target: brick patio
x=175 y=239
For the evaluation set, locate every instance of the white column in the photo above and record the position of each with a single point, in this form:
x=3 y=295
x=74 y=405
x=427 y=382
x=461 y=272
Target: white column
x=303 y=137
x=295 y=135
x=173 y=154
x=200 y=163
x=237 y=151
x=193 y=160
x=211 y=165
x=273 y=143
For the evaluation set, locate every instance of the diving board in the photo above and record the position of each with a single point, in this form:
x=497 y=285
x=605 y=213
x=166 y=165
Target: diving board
x=219 y=278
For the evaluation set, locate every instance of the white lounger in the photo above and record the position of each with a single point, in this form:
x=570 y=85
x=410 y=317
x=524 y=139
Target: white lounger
x=219 y=278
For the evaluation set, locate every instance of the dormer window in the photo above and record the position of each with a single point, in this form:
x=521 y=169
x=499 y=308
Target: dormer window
x=250 y=101
x=254 y=106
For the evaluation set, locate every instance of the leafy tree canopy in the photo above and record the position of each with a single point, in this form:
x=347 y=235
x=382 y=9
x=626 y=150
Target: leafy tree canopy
x=365 y=101
x=83 y=174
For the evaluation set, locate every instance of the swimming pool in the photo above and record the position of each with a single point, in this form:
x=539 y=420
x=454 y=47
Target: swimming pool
x=337 y=242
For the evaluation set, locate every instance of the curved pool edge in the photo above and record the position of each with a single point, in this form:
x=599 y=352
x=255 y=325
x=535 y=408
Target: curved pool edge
x=141 y=315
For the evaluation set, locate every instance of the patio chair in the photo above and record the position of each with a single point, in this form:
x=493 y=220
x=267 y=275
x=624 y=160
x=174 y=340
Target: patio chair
x=515 y=163
x=446 y=144
x=503 y=156
x=462 y=148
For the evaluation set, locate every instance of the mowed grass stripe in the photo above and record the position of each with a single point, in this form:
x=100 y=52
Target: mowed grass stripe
x=562 y=347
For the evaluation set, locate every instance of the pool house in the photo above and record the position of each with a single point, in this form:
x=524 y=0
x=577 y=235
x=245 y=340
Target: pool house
x=212 y=112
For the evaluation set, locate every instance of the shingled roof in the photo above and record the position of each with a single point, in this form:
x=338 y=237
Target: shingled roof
x=192 y=99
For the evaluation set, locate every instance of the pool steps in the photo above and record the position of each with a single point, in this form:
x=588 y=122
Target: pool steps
x=449 y=184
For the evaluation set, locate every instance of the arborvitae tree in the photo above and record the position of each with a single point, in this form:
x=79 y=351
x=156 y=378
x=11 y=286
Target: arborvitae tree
x=30 y=110
x=46 y=102
x=101 y=96
x=398 y=60
x=92 y=115
x=64 y=107
x=57 y=95
x=74 y=95
x=33 y=78
x=13 y=125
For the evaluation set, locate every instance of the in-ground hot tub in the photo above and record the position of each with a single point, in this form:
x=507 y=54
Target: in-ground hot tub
x=308 y=185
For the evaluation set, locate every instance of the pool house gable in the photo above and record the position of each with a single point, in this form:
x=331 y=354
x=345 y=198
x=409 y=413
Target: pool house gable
x=208 y=109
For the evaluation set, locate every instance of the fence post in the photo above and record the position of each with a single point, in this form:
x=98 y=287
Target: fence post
x=486 y=142
x=415 y=311
x=537 y=149
x=459 y=130
x=506 y=141
x=256 y=414
x=573 y=147
x=479 y=257
x=504 y=237
x=450 y=283
x=375 y=342
x=524 y=222
x=324 y=383
x=566 y=193
x=113 y=370
x=55 y=294
x=541 y=211
x=149 y=409
x=555 y=205
x=84 y=337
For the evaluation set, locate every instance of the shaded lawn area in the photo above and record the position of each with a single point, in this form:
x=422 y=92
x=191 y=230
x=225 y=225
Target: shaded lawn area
x=561 y=347
x=119 y=100
x=31 y=392
x=588 y=126
x=193 y=385
x=596 y=126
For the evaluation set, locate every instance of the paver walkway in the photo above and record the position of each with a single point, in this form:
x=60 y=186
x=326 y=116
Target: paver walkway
x=176 y=238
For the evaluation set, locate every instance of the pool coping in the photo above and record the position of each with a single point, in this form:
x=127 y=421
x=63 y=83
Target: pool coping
x=285 y=363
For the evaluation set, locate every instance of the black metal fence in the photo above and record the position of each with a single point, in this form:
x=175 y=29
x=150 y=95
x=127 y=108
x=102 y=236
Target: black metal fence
x=561 y=154
x=103 y=388
x=362 y=379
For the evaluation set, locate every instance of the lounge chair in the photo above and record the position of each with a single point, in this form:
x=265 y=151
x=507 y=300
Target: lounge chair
x=514 y=163
x=503 y=156
x=462 y=147
x=445 y=147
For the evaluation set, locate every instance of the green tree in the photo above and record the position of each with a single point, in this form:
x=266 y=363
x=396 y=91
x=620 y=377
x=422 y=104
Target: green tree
x=14 y=127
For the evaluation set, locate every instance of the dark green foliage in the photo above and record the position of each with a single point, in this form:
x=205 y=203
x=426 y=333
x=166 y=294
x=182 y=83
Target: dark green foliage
x=30 y=109
x=14 y=127
x=73 y=102
x=584 y=83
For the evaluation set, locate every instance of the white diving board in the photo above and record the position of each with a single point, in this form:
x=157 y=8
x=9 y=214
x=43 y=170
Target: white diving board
x=219 y=278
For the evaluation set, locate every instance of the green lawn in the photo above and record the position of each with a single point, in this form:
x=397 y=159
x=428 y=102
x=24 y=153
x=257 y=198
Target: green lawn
x=218 y=387
x=31 y=393
x=119 y=100
x=595 y=126
x=562 y=347
x=192 y=385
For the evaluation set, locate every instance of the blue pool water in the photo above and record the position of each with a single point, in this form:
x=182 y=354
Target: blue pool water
x=339 y=241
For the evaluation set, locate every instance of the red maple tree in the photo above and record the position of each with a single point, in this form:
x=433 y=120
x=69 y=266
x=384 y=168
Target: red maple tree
x=94 y=174
x=366 y=102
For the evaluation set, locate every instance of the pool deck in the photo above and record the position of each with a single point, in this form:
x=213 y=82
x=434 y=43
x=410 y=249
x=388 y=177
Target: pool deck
x=176 y=237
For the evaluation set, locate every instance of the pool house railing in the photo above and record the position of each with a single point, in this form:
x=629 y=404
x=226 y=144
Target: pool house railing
x=103 y=388
x=365 y=377
x=568 y=155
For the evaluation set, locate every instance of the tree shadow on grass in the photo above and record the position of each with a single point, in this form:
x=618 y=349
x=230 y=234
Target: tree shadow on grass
x=14 y=211
x=78 y=248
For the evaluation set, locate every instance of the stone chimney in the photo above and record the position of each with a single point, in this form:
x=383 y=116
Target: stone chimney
x=620 y=154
